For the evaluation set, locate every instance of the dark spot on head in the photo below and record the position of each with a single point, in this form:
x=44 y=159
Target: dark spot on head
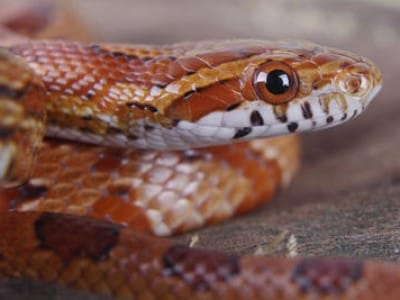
x=151 y=108
x=326 y=277
x=292 y=126
x=282 y=118
x=160 y=86
x=124 y=55
x=329 y=119
x=223 y=81
x=344 y=117
x=181 y=260
x=232 y=106
x=241 y=132
x=142 y=106
x=72 y=237
x=256 y=119
x=6 y=133
x=280 y=112
x=105 y=52
x=117 y=54
x=190 y=73
x=354 y=114
x=306 y=109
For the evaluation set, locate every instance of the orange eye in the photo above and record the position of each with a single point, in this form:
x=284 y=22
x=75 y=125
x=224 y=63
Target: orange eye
x=275 y=83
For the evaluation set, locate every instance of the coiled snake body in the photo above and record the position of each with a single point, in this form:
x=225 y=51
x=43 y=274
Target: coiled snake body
x=133 y=101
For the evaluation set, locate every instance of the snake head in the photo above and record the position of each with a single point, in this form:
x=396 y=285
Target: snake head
x=273 y=88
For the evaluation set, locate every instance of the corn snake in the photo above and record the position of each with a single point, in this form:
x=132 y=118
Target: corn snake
x=180 y=267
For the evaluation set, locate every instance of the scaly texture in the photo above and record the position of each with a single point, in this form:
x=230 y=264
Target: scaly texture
x=169 y=97
x=127 y=264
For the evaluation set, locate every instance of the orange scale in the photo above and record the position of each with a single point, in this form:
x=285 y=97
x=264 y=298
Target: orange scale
x=263 y=183
x=209 y=204
x=129 y=168
x=250 y=202
x=159 y=175
x=104 y=206
x=7 y=197
x=53 y=205
x=74 y=175
x=46 y=170
x=271 y=177
x=238 y=192
x=132 y=196
x=61 y=190
x=123 y=213
x=226 y=178
x=176 y=216
x=82 y=158
x=140 y=222
x=54 y=153
x=96 y=180
x=85 y=197
x=76 y=210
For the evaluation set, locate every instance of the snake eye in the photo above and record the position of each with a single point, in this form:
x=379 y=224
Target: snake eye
x=275 y=82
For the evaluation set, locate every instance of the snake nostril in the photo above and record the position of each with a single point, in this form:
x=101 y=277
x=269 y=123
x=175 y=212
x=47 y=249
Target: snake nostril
x=353 y=84
x=355 y=80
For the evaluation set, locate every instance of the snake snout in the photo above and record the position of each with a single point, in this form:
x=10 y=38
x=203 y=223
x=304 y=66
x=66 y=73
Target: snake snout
x=360 y=81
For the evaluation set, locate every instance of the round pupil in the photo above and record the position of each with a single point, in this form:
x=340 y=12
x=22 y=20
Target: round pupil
x=277 y=82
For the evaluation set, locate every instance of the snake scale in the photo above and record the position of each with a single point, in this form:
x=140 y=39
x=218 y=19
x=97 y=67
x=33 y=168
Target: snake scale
x=132 y=123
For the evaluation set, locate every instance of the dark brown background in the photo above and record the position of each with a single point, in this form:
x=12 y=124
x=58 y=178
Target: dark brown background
x=346 y=199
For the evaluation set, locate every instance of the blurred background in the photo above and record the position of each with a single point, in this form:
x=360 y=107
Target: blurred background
x=159 y=21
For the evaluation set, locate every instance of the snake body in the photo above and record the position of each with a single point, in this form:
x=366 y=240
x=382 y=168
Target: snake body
x=78 y=213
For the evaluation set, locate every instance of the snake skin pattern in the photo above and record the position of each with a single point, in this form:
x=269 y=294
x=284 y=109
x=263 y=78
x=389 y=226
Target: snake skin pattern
x=78 y=214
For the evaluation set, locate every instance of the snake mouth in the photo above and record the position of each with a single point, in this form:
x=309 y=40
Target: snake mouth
x=250 y=120
x=219 y=127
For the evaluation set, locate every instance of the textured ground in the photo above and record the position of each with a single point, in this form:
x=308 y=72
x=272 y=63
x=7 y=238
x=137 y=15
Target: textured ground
x=346 y=199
